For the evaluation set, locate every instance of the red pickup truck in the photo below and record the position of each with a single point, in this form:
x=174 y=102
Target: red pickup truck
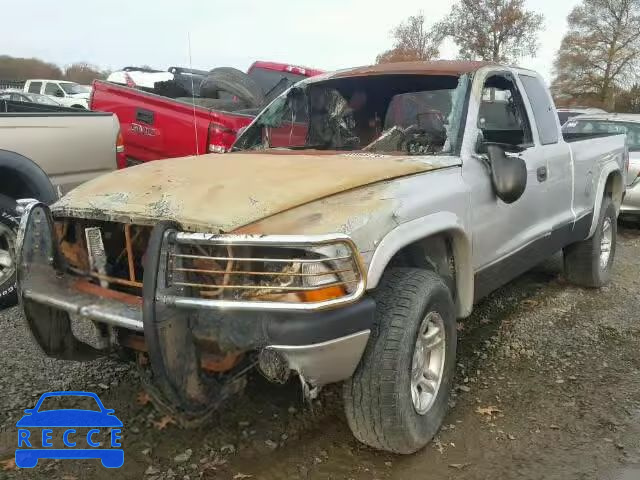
x=156 y=126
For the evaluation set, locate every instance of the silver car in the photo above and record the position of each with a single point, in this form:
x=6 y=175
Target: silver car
x=608 y=123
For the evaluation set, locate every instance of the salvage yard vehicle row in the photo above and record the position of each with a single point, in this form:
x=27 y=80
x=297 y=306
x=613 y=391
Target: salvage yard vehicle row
x=406 y=193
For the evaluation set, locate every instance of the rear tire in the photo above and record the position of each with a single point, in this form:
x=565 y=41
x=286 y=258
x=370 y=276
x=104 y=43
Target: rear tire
x=588 y=263
x=235 y=83
x=9 y=223
x=381 y=404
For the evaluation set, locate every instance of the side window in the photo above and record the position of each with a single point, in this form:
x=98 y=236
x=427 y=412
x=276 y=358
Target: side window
x=502 y=117
x=51 y=89
x=542 y=109
x=34 y=87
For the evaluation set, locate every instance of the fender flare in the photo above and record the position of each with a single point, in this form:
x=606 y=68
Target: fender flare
x=35 y=179
x=414 y=230
x=608 y=169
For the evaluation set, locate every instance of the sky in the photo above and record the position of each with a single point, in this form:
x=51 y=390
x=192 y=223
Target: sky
x=325 y=34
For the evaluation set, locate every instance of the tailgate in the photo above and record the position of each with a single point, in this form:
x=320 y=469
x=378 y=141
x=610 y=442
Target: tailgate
x=153 y=127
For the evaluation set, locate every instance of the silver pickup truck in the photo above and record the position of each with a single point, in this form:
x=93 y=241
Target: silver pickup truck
x=45 y=151
x=361 y=214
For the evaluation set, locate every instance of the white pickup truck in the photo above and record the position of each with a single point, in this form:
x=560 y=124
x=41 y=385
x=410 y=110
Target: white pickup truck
x=69 y=94
x=361 y=214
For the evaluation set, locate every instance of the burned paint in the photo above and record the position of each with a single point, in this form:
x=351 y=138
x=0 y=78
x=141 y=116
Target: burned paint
x=220 y=193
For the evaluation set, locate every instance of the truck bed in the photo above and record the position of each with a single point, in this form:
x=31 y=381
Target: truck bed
x=70 y=145
x=156 y=127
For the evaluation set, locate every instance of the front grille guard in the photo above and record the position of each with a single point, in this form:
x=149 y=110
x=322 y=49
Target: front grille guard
x=170 y=290
x=173 y=281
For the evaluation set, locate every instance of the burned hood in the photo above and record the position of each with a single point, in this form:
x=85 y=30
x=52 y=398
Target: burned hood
x=220 y=193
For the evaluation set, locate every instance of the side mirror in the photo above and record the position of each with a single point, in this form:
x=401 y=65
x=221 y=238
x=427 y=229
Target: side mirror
x=508 y=174
x=59 y=93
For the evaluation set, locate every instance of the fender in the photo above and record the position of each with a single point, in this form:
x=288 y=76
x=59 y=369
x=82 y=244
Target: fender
x=423 y=227
x=31 y=175
x=611 y=167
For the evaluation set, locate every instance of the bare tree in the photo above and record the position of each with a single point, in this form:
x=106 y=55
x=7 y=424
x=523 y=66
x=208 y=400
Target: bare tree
x=412 y=41
x=83 y=73
x=599 y=54
x=493 y=30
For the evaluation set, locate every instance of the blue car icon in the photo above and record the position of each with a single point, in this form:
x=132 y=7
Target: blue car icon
x=68 y=419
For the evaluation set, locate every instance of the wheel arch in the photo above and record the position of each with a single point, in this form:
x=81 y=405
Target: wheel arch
x=610 y=183
x=434 y=235
x=21 y=177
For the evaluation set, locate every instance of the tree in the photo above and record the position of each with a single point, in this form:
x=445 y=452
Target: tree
x=628 y=101
x=413 y=41
x=12 y=68
x=493 y=30
x=83 y=73
x=599 y=54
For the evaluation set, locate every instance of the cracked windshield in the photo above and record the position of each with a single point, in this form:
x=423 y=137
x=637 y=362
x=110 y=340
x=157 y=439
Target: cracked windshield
x=335 y=240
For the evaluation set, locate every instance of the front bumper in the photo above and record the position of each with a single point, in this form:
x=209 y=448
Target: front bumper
x=323 y=346
x=631 y=201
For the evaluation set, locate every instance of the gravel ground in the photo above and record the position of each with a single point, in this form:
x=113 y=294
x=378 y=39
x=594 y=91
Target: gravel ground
x=548 y=387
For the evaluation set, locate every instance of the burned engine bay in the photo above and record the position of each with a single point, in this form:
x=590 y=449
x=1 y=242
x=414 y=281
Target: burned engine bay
x=396 y=114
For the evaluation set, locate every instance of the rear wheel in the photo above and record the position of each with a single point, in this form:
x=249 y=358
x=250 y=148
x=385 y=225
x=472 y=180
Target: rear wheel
x=9 y=223
x=398 y=396
x=588 y=263
x=230 y=82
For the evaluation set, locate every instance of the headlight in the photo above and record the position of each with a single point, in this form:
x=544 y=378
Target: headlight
x=244 y=272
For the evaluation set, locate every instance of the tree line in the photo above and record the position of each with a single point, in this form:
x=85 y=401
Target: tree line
x=596 y=65
x=12 y=68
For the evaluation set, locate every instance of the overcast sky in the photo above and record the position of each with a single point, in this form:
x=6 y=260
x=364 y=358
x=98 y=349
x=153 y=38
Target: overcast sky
x=326 y=34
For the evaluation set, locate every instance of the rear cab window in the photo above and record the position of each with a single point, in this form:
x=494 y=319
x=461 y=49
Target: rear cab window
x=34 y=87
x=543 y=110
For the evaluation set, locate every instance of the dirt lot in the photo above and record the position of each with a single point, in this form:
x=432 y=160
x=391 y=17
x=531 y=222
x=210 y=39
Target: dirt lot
x=548 y=387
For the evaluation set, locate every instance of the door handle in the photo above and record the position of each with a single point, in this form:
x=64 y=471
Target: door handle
x=541 y=174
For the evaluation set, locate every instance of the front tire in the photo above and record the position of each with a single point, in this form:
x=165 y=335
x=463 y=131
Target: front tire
x=398 y=397
x=588 y=263
x=9 y=223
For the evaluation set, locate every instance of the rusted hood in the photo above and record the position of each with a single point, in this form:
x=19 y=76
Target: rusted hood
x=220 y=193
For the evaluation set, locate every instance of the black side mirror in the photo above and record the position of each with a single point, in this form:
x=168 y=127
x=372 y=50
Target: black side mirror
x=508 y=174
x=59 y=93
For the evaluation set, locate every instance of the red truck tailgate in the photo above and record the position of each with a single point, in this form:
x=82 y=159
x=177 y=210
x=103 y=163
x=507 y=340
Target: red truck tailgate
x=156 y=127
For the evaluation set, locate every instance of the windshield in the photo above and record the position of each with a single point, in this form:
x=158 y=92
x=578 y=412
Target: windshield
x=43 y=99
x=402 y=114
x=631 y=129
x=74 y=88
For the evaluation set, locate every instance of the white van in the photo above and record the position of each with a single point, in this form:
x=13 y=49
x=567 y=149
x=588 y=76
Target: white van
x=69 y=94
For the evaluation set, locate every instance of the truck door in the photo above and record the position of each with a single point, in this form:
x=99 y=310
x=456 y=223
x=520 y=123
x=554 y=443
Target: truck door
x=507 y=238
x=558 y=186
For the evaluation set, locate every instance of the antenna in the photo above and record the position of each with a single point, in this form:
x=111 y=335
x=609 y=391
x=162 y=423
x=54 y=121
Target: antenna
x=193 y=96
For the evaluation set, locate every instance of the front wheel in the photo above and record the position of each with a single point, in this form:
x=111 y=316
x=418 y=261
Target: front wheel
x=9 y=223
x=398 y=397
x=588 y=263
